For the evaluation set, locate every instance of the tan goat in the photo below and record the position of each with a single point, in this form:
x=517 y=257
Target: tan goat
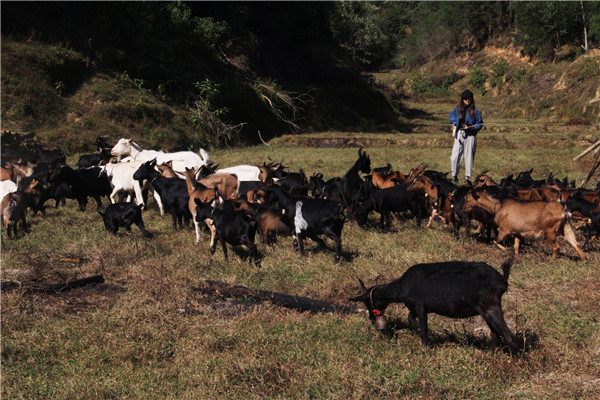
x=203 y=194
x=532 y=220
x=226 y=184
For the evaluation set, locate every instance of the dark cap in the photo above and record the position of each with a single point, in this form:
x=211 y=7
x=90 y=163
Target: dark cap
x=467 y=94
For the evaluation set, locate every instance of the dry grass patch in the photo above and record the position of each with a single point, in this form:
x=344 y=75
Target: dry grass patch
x=148 y=333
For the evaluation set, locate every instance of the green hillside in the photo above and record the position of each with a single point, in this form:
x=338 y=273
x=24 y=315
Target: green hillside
x=183 y=75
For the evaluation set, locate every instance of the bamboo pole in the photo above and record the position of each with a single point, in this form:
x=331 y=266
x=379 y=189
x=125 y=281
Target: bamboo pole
x=586 y=151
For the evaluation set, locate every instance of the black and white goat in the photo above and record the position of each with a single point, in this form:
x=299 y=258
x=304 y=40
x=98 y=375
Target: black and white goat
x=311 y=217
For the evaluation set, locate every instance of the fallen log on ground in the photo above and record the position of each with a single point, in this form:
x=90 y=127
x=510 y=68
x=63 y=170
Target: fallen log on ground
x=51 y=287
x=280 y=299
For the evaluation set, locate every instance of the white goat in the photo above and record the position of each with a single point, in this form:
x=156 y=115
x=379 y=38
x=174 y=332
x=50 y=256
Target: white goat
x=7 y=187
x=121 y=179
x=243 y=172
x=181 y=159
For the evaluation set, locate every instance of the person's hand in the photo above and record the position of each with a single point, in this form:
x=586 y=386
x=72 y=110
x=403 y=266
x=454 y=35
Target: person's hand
x=466 y=127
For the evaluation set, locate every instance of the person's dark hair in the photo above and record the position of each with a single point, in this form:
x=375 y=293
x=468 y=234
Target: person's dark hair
x=467 y=94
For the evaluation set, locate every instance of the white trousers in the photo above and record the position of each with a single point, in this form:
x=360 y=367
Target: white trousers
x=463 y=145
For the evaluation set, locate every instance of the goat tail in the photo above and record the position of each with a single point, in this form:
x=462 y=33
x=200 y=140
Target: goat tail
x=506 y=266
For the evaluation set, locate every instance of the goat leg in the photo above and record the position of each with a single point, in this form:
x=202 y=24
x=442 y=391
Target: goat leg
x=412 y=320
x=197 y=228
x=300 y=243
x=516 y=246
x=495 y=321
x=499 y=239
x=145 y=233
x=254 y=253
x=570 y=238
x=224 y=246
x=422 y=324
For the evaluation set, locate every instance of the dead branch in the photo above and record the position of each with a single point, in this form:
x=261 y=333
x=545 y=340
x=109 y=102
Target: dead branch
x=51 y=287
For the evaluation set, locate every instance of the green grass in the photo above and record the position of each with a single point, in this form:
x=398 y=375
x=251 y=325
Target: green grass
x=146 y=333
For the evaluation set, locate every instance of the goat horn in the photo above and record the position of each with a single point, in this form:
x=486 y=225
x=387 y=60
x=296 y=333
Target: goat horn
x=377 y=279
x=362 y=284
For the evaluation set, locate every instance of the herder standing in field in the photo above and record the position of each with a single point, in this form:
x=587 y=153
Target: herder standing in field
x=467 y=121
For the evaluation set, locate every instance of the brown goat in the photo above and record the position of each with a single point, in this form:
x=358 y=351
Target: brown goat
x=226 y=184
x=271 y=221
x=439 y=206
x=205 y=195
x=531 y=194
x=166 y=170
x=13 y=208
x=529 y=220
x=416 y=171
x=7 y=173
x=483 y=179
x=389 y=181
x=266 y=173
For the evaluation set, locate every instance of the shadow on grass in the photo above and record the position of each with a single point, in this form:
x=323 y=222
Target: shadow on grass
x=528 y=340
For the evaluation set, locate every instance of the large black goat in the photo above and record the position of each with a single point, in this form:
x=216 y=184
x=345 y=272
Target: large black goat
x=456 y=289
x=91 y=181
x=351 y=182
x=394 y=199
x=234 y=227
x=173 y=192
x=124 y=214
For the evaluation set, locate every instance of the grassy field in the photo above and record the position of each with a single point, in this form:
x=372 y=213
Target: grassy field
x=147 y=333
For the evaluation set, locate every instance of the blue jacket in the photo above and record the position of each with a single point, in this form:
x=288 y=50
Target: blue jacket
x=475 y=123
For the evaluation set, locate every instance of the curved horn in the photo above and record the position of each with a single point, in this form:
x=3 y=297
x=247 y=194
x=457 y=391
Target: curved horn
x=362 y=284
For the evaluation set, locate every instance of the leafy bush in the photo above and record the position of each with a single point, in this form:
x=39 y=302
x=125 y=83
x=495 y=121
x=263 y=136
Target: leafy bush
x=589 y=69
x=478 y=78
x=434 y=84
x=500 y=69
x=450 y=80
x=420 y=84
x=206 y=117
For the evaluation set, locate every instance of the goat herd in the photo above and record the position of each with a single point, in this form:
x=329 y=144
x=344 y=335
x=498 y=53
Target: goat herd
x=236 y=202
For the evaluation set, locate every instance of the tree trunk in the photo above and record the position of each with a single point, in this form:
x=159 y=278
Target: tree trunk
x=585 y=38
